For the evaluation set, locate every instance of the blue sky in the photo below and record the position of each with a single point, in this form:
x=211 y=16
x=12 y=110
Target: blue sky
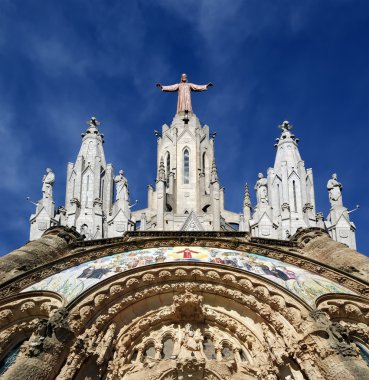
x=64 y=61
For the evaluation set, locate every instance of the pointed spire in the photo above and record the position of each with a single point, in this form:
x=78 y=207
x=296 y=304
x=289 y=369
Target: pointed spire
x=161 y=171
x=246 y=198
x=291 y=155
x=214 y=172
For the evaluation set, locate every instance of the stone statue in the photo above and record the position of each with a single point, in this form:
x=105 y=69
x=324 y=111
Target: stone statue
x=261 y=189
x=47 y=184
x=121 y=187
x=184 y=92
x=191 y=343
x=335 y=191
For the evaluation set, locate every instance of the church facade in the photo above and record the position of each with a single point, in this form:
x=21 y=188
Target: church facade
x=184 y=288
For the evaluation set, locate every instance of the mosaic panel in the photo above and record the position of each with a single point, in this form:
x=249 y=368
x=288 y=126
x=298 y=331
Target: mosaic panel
x=74 y=281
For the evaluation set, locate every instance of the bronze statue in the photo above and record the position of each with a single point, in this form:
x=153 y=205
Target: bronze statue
x=184 y=92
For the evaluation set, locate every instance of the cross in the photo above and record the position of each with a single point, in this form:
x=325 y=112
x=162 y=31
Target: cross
x=93 y=122
x=286 y=126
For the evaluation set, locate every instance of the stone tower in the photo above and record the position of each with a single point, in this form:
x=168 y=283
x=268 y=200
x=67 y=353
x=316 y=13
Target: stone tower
x=289 y=202
x=89 y=191
x=89 y=203
x=188 y=195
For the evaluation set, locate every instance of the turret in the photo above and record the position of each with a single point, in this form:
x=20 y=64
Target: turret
x=290 y=186
x=247 y=209
x=89 y=189
x=188 y=193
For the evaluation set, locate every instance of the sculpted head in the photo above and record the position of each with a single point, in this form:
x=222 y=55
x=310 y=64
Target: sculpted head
x=48 y=170
x=334 y=176
x=260 y=175
x=121 y=172
x=184 y=78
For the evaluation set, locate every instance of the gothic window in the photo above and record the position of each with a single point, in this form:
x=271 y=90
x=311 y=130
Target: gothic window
x=167 y=351
x=9 y=359
x=209 y=348
x=203 y=162
x=102 y=189
x=168 y=167
x=227 y=353
x=149 y=352
x=74 y=187
x=279 y=195
x=186 y=167
x=294 y=196
x=102 y=183
x=87 y=191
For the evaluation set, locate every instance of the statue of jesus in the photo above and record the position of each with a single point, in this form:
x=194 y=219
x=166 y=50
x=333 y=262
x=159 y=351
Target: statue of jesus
x=184 y=92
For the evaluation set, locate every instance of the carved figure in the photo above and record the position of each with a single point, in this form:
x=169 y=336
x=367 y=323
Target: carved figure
x=335 y=191
x=121 y=187
x=184 y=92
x=47 y=184
x=261 y=189
x=191 y=343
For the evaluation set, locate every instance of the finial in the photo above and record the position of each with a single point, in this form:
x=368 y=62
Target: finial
x=285 y=126
x=93 y=122
x=246 y=198
x=214 y=172
x=161 y=171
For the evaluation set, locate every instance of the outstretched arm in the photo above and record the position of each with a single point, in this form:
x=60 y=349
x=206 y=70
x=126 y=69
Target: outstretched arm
x=200 y=87
x=172 y=88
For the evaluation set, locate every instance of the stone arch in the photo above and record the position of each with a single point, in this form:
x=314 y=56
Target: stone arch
x=167 y=290
x=19 y=316
x=349 y=315
x=110 y=320
x=52 y=261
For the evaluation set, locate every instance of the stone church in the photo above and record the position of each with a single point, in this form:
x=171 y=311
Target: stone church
x=185 y=289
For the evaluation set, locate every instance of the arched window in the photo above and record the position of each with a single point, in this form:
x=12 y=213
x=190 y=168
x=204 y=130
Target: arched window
x=167 y=349
x=209 y=348
x=168 y=167
x=294 y=196
x=149 y=351
x=186 y=167
x=74 y=187
x=227 y=353
x=203 y=162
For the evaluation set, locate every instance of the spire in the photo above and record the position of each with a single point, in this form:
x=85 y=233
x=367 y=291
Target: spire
x=214 y=172
x=89 y=184
x=161 y=171
x=288 y=188
x=244 y=224
x=246 y=198
x=287 y=150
